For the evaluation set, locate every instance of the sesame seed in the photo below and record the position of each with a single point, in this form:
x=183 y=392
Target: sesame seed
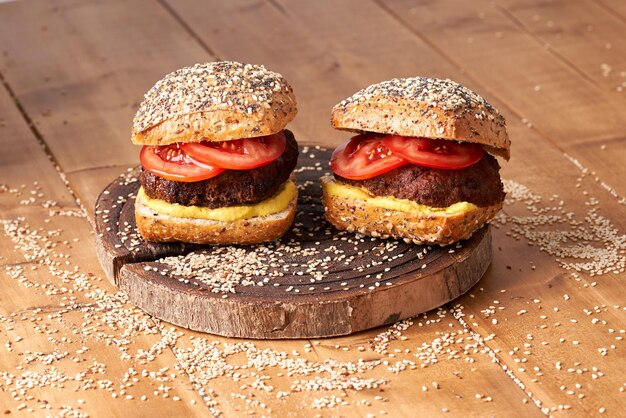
x=213 y=85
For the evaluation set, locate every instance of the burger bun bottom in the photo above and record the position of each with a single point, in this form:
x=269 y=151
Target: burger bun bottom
x=158 y=227
x=355 y=215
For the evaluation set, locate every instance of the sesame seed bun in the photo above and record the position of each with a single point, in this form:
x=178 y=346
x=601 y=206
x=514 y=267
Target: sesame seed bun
x=159 y=227
x=356 y=215
x=424 y=107
x=216 y=101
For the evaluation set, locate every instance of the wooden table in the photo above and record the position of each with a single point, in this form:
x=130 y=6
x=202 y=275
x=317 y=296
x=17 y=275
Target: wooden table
x=542 y=333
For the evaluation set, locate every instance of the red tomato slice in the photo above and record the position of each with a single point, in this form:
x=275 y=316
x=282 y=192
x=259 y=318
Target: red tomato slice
x=171 y=162
x=239 y=154
x=364 y=156
x=435 y=153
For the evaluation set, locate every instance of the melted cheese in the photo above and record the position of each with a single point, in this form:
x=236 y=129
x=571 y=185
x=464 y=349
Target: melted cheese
x=391 y=203
x=275 y=204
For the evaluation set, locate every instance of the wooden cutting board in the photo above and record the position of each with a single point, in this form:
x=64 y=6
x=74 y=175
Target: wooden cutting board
x=314 y=282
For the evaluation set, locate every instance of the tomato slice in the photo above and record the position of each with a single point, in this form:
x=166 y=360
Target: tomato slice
x=434 y=153
x=171 y=162
x=238 y=154
x=364 y=156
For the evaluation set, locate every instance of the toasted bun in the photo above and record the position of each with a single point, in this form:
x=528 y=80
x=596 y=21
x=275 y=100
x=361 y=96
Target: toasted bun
x=216 y=101
x=159 y=227
x=425 y=107
x=358 y=216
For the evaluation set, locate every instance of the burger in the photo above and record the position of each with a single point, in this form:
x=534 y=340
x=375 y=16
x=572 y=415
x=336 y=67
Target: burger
x=421 y=166
x=216 y=161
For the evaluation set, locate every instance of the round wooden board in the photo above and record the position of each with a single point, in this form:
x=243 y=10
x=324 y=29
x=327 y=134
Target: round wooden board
x=314 y=282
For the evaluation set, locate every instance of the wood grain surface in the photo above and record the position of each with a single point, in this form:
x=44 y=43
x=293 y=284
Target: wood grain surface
x=541 y=334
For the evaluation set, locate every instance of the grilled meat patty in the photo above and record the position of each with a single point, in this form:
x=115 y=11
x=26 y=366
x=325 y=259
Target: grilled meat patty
x=229 y=188
x=479 y=184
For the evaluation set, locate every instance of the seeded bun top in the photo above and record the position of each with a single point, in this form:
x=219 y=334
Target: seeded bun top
x=216 y=101
x=424 y=107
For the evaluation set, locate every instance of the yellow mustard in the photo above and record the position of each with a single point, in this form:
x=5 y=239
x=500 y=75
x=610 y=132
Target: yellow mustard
x=274 y=204
x=391 y=203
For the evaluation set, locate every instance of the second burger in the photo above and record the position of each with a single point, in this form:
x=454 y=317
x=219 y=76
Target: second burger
x=420 y=167
x=217 y=161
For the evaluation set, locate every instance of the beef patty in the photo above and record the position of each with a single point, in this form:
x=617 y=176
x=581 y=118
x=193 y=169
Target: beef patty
x=479 y=184
x=229 y=188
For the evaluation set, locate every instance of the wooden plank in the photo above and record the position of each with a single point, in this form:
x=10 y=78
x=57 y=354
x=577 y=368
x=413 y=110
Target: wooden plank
x=83 y=99
x=593 y=158
x=547 y=162
x=230 y=370
x=90 y=182
x=434 y=352
x=52 y=295
x=64 y=341
x=614 y=6
x=582 y=33
x=492 y=49
x=437 y=364
x=24 y=162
